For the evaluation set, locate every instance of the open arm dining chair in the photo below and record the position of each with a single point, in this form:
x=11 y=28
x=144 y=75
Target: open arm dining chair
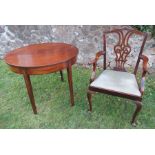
x=117 y=81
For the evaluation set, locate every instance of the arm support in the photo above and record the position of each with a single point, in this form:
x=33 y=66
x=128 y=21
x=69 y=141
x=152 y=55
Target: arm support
x=144 y=71
x=94 y=63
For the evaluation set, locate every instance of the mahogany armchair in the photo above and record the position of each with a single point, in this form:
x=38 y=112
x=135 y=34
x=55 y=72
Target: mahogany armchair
x=117 y=81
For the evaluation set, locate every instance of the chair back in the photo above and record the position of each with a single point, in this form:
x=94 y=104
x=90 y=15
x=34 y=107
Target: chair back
x=123 y=48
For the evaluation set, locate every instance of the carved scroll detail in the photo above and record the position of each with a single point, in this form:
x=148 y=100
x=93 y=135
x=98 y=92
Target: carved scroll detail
x=122 y=49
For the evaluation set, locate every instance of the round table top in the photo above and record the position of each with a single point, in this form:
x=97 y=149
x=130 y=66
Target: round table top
x=40 y=55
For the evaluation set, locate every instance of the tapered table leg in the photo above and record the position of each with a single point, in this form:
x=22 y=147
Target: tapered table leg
x=69 y=73
x=62 y=77
x=30 y=92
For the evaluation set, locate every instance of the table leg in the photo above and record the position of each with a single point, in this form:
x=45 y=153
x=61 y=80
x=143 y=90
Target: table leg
x=30 y=92
x=69 y=73
x=62 y=78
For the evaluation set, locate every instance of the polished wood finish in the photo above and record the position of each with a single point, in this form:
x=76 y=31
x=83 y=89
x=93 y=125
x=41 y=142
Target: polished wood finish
x=62 y=78
x=41 y=55
x=43 y=58
x=122 y=49
x=69 y=74
x=30 y=91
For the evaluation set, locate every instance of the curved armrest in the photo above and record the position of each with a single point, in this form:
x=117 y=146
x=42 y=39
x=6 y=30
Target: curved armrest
x=145 y=70
x=94 y=63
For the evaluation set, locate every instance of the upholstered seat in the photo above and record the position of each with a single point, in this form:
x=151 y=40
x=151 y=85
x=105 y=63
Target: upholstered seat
x=117 y=81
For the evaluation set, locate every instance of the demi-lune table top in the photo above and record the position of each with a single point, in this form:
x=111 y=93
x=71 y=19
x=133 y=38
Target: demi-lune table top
x=39 y=55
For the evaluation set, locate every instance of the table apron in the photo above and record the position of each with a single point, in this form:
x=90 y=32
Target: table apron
x=42 y=70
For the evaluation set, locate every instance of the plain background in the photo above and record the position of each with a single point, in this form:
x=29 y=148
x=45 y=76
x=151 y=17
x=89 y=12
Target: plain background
x=76 y=141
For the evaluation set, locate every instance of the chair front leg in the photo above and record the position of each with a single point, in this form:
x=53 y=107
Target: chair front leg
x=138 y=108
x=93 y=76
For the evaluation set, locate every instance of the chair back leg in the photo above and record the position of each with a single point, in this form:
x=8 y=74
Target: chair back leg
x=89 y=96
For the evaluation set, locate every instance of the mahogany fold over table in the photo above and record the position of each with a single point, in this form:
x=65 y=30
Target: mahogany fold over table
x=42 y=59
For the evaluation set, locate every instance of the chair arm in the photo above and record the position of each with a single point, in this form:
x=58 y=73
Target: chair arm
x=94 y=63
x=144 y=71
